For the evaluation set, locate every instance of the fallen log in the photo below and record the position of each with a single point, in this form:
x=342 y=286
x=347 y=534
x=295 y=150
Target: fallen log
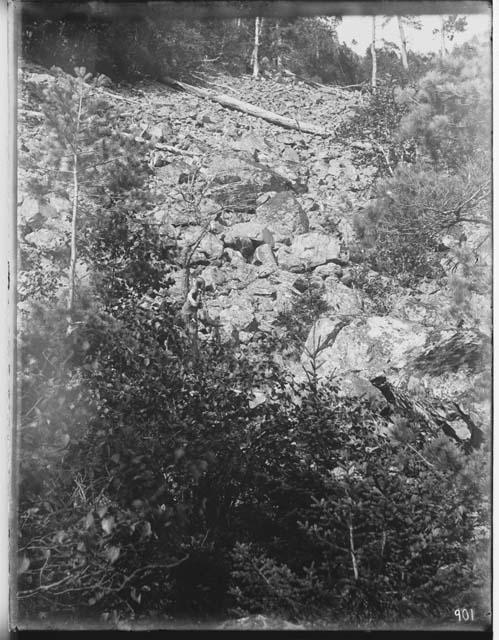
x=246 y=107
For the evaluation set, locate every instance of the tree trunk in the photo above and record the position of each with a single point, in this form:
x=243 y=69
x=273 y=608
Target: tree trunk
x=73 y=255
x=403 y=44
x=254 y=55
x=278 y=45
x=373 y=55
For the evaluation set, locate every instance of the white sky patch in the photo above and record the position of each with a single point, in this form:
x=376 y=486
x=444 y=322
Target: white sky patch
x=355 y=31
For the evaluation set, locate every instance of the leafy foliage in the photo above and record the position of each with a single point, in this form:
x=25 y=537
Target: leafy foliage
x=307 y=306
x=375 y=122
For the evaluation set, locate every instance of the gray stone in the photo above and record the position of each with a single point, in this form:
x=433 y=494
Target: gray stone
x=176 y=172
x=238 y=182
x=329 y=270
x=264 y=255
x=214 y=277
x=290 y=155
x=255 y=230
x=250 y=143
x=29 y=211
x=366 y=346
x=46 y=239
x=310 y=250
x=342 y=300
x=210 y=247
x=283 y=215
x=238 y=316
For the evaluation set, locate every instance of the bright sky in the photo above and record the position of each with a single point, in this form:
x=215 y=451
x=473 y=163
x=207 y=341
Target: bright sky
x=359 y=28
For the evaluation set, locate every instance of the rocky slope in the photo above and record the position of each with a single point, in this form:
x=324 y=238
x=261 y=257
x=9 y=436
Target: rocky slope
x=263 y=213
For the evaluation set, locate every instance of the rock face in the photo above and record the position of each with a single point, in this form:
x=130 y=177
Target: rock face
x=365 y=346
x=442 y=365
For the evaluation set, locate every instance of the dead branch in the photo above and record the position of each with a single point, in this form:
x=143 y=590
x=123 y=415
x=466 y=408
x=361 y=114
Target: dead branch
x=246 y=107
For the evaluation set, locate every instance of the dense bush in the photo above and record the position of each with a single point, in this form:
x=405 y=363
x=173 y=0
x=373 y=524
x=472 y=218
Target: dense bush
x=375 y=121
x=449 y=111
x=305 y=308
x=175 y=492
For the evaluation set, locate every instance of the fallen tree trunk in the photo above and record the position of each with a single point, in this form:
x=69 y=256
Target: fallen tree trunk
x=246 y=107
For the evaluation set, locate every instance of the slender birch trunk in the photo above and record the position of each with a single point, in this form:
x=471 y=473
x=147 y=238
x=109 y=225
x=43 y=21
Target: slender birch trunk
x=373 y=55
x=278 y=45
x=73 y=255
x=403 y=44
x=254 y=56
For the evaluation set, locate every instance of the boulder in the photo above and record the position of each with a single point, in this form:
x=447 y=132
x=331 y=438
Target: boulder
x=290 y=155
x=366 y=346
x=234 y=257
x=310 y=250
x=210 y=247
x=283 y=215
x=55 y=206
x=214 y=277
x=342 y=300
x=159 y=132
x=329 y=270
x=177 y=172
x=255 y=230
x=237 y=181
x=46 y=239
x=261 y=287
x=238 y=316
x=303 y=283
x=264 y=255
x=250 y=143
x=29 y=212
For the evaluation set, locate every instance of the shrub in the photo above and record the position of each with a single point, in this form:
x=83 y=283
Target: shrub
x=402 y=229
x=449 y=112
x=375 y=122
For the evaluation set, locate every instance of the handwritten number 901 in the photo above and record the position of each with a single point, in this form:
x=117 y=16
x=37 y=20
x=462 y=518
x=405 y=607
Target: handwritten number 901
x=465 y=615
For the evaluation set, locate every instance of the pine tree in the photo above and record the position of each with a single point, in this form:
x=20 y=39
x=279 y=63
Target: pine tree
x=87 y=156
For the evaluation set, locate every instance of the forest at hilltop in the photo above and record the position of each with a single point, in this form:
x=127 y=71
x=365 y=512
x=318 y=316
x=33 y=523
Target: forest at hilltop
x=314 y=451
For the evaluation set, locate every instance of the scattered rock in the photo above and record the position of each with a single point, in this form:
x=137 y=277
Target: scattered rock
x=46 y=239
x=176 y=172
x=264 y=255
x=329 y=270
x=238 y=182
x=214 y=277
x=290 y=155
x=210 y=246
x=29 y=211
x=283 y=215
x=342 y=300
x=253 y=230
x=238 y=316
x=310 y=250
